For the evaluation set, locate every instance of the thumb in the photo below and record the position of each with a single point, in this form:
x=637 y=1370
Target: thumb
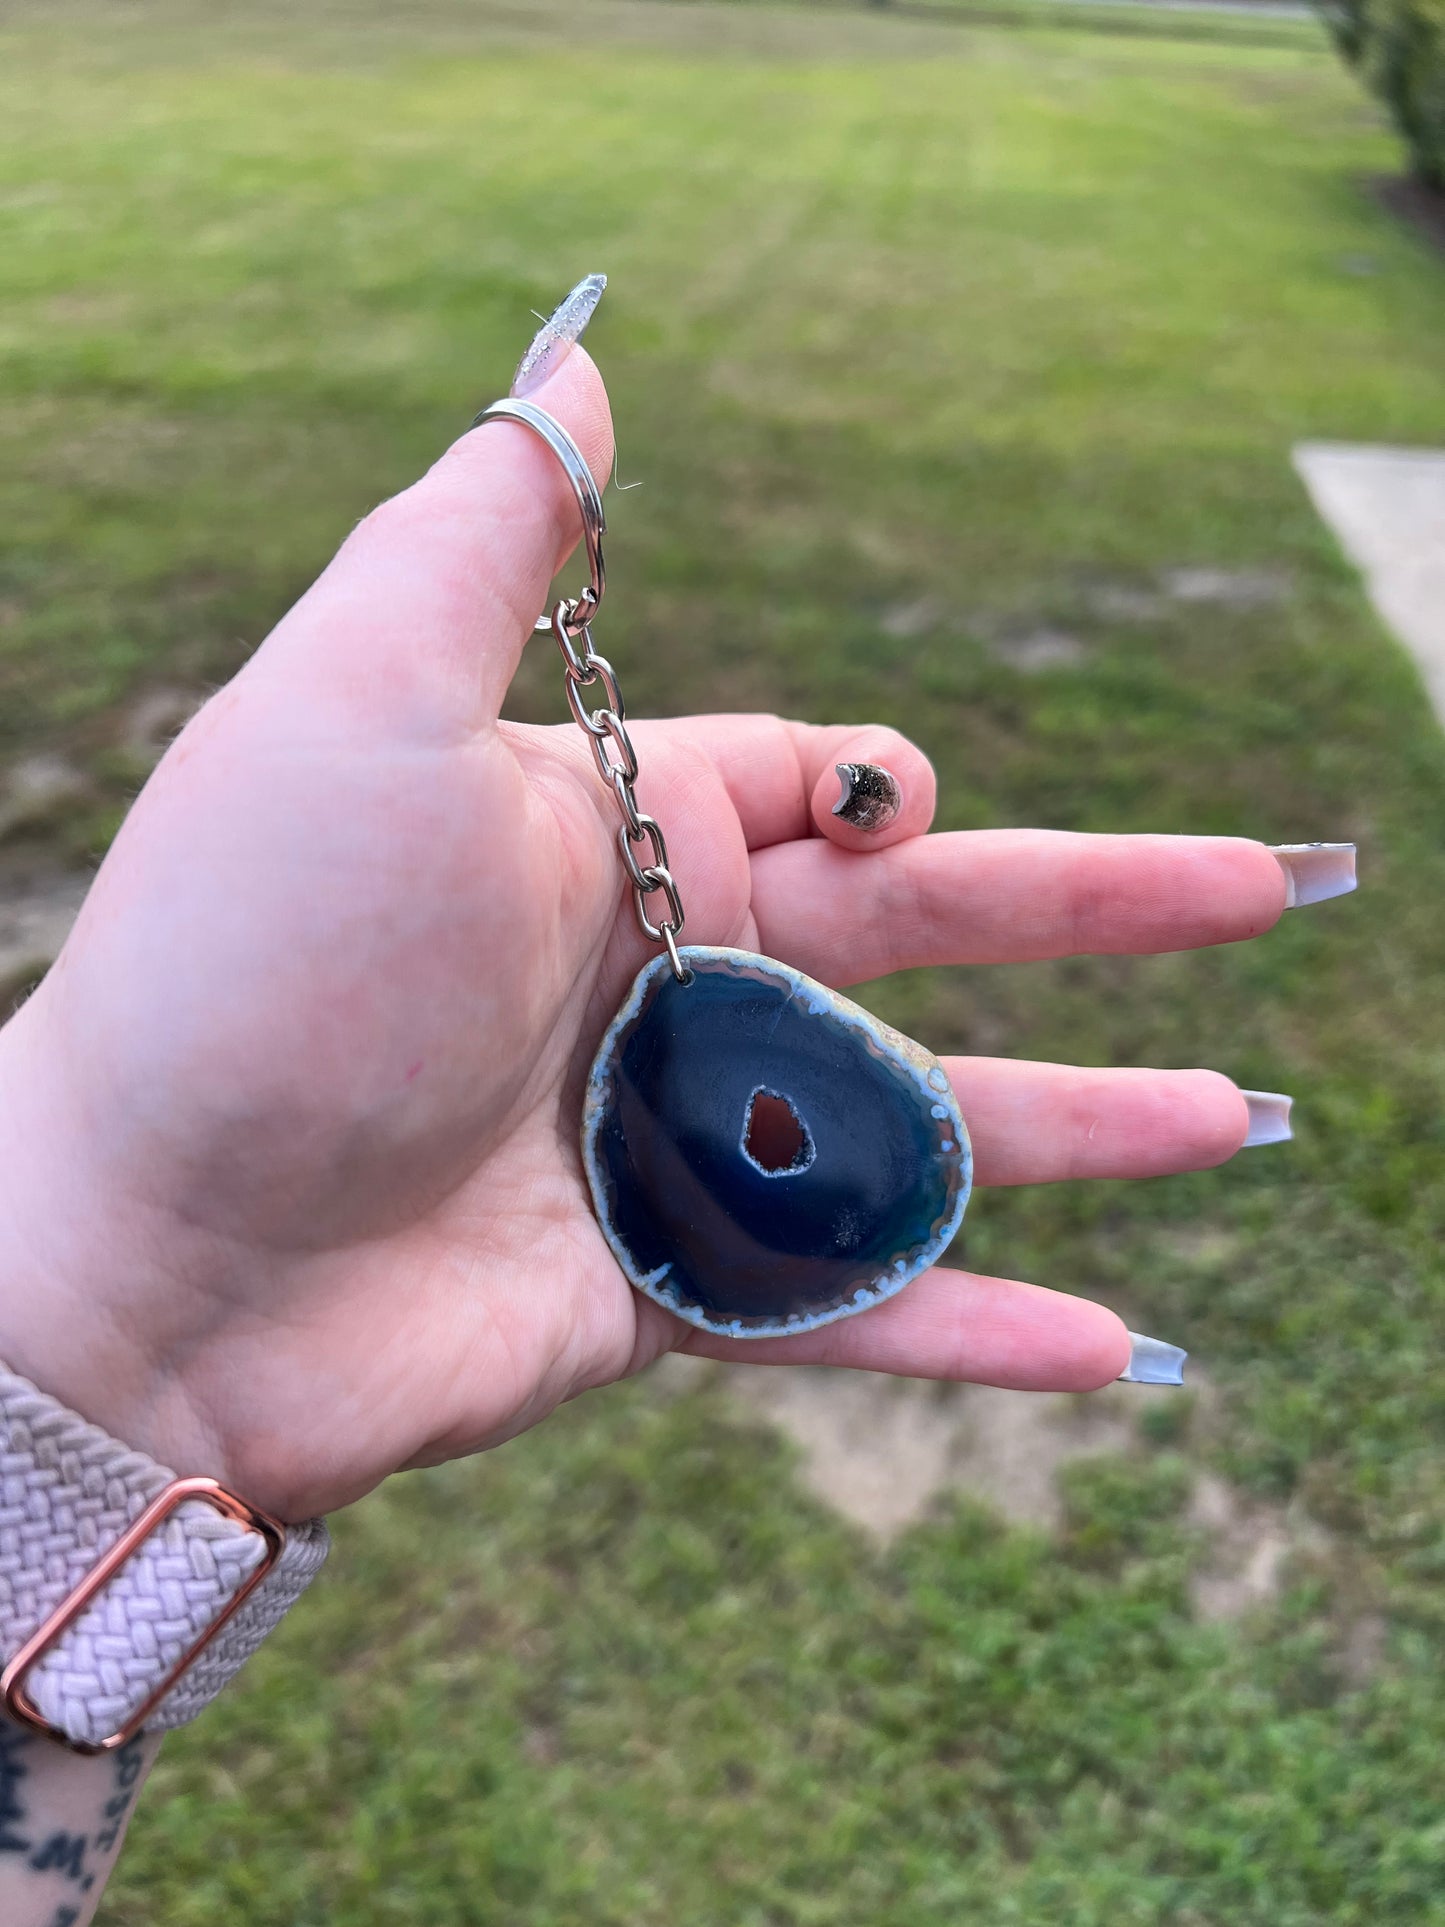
x=426 y=608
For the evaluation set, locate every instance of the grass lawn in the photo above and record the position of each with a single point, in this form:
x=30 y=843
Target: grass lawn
x=936 y=348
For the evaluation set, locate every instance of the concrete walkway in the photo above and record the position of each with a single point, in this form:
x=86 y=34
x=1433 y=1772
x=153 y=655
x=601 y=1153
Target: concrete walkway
x=1387 y=506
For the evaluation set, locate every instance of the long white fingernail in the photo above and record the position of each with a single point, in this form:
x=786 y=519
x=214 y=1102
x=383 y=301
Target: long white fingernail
x=1152 y=1362
x=1268 y=1117
x=1315 y=872
x=553 y=341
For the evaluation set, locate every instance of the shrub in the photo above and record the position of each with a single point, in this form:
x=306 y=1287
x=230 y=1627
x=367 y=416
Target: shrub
x=1399 y=47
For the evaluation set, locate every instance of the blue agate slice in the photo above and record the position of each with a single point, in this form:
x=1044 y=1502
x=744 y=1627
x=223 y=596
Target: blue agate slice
x=764 y=1156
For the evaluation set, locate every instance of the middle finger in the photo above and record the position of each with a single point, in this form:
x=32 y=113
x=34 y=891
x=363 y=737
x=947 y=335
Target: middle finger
x=1007 y=896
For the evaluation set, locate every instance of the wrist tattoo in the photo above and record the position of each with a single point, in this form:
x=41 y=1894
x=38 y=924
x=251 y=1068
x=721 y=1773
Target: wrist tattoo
x=129 y=1765
x=64 y=1853
x=13 y=1770
x=79 y=1860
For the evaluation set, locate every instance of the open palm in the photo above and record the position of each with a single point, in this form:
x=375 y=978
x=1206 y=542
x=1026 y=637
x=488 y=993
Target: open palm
x=301 y=1095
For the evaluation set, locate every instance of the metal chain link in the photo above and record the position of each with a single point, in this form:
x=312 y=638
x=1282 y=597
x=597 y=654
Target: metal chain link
x=606 y=729
x=605 y=726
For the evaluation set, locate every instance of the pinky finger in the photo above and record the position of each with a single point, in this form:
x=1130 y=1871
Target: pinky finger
x=956 y=1325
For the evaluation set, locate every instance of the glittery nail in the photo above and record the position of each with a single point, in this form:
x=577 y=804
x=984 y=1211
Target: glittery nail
x=871 y=798
x=1152 y=1362
x=1315 y=872
x=553 y=341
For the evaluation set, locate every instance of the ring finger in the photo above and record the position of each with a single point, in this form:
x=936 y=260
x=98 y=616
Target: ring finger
x=1041 y=1123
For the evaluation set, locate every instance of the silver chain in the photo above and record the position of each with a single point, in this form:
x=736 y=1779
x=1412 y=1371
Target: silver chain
x=571 y=623
x=607 y=732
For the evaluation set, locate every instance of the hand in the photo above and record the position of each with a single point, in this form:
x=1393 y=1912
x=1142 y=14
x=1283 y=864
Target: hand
x=291 y=1188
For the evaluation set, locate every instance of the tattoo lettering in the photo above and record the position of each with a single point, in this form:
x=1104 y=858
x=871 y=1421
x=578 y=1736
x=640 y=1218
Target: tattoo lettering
x=129 y=1765
x=62 y=1853
x=12 y=1772
x=31 y=1800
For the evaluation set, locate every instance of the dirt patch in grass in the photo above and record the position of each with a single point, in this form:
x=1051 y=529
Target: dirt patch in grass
x=37 y=790
x=1227 y=588
x=1039 y=650
x=881 y=1451
x=35 y=919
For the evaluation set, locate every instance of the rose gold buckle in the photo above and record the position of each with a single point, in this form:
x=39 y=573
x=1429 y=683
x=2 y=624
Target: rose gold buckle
x=13 y=1697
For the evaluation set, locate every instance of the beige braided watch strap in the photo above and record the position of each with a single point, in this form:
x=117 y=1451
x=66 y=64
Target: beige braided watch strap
x=68 y=1493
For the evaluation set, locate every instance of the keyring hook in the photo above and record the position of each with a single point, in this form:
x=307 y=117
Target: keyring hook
x=589 y=500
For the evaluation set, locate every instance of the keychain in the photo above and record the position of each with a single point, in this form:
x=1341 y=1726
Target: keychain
x=764 y=1156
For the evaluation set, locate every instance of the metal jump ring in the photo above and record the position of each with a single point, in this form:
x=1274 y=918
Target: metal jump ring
x=557 y=622
x=611 y=728
x=658 y=879
x=589 y=496
x=627 y=802
x=679 y=969
x=601 y=670
x=651 y=832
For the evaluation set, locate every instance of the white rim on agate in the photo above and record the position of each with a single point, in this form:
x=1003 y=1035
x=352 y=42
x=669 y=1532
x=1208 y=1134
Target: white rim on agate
x=818 y=1000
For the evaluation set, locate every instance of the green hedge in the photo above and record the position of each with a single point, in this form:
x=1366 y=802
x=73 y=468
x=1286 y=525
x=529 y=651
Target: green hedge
x=1399 y=46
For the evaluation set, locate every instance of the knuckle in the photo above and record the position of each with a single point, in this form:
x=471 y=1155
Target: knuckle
x=1084 y=911
x=910 y=910
x=1078 y=1112
x=387 y=523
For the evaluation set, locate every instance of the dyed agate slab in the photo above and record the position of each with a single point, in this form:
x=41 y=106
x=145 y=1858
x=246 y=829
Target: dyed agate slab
x=857 y=1183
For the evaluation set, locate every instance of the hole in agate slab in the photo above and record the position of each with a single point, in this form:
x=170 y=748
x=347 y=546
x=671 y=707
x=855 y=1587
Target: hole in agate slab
x=775 y=1139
